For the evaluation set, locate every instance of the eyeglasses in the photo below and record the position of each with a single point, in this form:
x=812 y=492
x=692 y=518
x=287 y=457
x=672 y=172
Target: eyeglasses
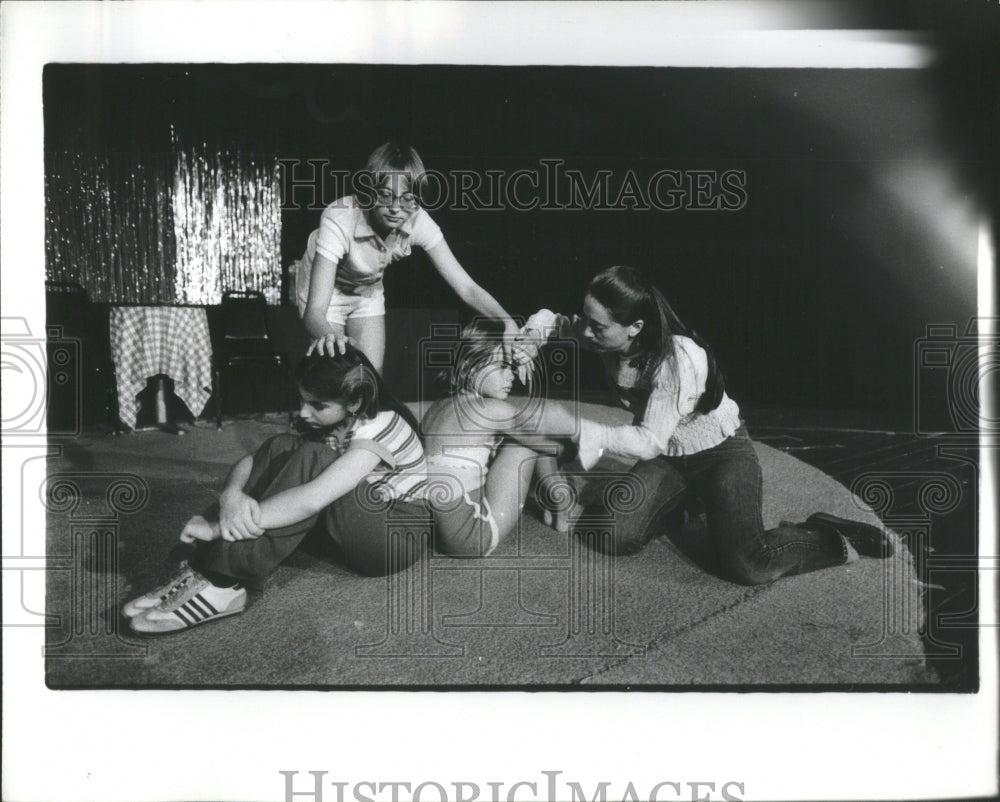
x=407 y=200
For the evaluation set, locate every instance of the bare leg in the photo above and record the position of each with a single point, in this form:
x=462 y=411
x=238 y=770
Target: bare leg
x=507 y=484
x=368 y=336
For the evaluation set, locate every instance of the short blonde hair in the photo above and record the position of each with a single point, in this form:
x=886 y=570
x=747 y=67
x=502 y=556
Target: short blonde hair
x=393 y=158
x=477 y=344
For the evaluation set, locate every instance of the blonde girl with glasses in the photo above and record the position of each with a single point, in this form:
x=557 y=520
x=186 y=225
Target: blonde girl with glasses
x=338 y=282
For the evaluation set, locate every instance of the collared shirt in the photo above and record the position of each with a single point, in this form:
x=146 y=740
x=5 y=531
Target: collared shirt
x=347 y=239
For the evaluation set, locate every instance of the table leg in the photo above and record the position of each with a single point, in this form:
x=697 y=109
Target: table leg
x=163 y=422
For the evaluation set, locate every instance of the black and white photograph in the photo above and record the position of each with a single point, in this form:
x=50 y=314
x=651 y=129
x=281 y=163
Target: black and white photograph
x=436 y=382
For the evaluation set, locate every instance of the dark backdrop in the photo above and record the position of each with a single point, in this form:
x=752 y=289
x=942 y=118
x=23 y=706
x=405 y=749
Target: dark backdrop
x=813 y=293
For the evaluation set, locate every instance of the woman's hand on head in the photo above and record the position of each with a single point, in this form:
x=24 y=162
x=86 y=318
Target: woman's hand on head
x=239 y=516
x=522 y=353
x=522 y=360
x=330 y=344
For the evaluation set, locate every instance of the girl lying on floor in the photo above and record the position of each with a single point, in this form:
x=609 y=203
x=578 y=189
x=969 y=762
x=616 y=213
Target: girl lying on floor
x=478 y=444
x=355 y=437
x=687 y=436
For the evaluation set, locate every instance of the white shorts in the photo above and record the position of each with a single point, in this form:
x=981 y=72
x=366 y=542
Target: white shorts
x=343 y=306
x=467 y=529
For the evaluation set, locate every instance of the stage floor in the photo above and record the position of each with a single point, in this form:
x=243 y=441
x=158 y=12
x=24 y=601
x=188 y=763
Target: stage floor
x=542 y=612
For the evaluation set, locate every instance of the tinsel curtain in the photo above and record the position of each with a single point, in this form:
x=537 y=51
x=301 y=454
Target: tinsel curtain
x=140 y=229
x=109 y=226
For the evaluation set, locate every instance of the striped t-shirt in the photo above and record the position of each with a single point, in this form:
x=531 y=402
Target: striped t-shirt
x=402 y=470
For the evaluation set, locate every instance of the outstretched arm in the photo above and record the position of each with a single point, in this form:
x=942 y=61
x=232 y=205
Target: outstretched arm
x=522 y=422
x=469 y=291
x=321 y=280
x=329 y=337
x=673 y=397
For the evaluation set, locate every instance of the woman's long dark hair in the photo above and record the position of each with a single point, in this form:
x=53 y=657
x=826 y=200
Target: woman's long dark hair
x=350 y=379
x=629 y=297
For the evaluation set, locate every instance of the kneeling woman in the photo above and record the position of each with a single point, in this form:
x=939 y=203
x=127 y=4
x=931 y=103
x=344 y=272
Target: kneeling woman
x=358 y=457
x=687 y=436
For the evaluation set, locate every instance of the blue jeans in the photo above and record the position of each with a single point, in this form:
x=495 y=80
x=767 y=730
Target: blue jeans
x=728 y=480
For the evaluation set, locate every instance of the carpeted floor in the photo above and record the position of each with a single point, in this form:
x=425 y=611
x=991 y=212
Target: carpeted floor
x=543 y=611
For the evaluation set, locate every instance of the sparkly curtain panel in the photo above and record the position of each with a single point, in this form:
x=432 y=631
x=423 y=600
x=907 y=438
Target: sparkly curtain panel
x=109 y=226
x=227 y=225
x=145 y=230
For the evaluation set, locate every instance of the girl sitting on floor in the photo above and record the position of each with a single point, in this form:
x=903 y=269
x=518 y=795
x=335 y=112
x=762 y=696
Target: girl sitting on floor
x=687 y=436
x=477 y=441
x=358 y=457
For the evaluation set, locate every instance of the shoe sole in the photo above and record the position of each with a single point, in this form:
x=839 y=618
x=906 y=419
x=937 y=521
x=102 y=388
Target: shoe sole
x=156 y=632
x=190 y=613
x=877 y=537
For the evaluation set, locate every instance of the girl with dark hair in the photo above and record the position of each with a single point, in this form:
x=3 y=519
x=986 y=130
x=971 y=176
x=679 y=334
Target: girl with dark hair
x=687 y=436
x=338 y=283
x=483 y=447
x=356 y=458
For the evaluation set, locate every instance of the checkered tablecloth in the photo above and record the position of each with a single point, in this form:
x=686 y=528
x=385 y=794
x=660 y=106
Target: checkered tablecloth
x=149 y=340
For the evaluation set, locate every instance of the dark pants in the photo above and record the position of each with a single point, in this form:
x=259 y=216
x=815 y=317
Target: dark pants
x=360 y=532
x=728 y=480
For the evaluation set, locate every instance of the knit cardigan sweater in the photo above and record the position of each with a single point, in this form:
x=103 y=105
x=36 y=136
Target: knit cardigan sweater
x=666 y=423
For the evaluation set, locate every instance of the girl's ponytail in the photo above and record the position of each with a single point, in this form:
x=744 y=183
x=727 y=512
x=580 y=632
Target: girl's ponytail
x=671 y=325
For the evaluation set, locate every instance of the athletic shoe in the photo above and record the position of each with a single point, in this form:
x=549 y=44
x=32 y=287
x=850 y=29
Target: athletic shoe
x=868 y=540
x=194 y=602
x=154 y=597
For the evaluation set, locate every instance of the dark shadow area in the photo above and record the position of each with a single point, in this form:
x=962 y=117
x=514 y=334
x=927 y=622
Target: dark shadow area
x=812 y=288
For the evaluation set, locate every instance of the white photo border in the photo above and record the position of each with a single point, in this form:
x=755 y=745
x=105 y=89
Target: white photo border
x=104 y=745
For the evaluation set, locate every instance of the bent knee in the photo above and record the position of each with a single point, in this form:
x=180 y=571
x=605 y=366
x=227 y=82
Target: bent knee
x=280 y=443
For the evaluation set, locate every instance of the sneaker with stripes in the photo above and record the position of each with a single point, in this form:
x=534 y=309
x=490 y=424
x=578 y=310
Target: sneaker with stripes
x=154 y=597
x=189 y=603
